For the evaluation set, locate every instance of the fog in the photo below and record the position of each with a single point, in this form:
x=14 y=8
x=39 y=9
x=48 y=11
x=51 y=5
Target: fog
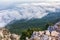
x=18 y=11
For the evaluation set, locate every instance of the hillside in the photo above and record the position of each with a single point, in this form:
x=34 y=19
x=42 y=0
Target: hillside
x=52 y=33
x=20 y=25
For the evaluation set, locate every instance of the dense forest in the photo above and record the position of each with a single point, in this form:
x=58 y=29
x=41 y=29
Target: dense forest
x=26 y=28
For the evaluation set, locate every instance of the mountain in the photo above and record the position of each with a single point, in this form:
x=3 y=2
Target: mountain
x=20 y=25
x=47 y=34
x=6 y=35
x=26 y=11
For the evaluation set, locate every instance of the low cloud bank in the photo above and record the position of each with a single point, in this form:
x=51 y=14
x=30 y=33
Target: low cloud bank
x=26 y=11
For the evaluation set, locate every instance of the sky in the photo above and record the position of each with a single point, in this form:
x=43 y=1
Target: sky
x=12 y=9
x=5 y=3
x=29 y=0
x=12 y=1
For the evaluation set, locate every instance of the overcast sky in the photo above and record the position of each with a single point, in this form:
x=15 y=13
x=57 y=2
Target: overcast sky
x=28 y=0
x=9 y=2
x=4 y=3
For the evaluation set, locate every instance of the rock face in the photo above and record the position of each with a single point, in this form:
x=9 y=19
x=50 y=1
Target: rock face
x=52 y=33
x=6 y=35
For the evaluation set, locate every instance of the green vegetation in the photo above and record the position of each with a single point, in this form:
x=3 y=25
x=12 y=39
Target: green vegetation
x=25 y=28
x=27 y=32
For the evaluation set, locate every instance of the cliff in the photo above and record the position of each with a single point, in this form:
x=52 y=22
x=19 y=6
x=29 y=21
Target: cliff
x=52 y=33
x=6 y=35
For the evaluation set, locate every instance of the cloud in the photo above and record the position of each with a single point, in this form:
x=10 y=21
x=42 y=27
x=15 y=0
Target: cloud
x=17 y=11
x=7 y=3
